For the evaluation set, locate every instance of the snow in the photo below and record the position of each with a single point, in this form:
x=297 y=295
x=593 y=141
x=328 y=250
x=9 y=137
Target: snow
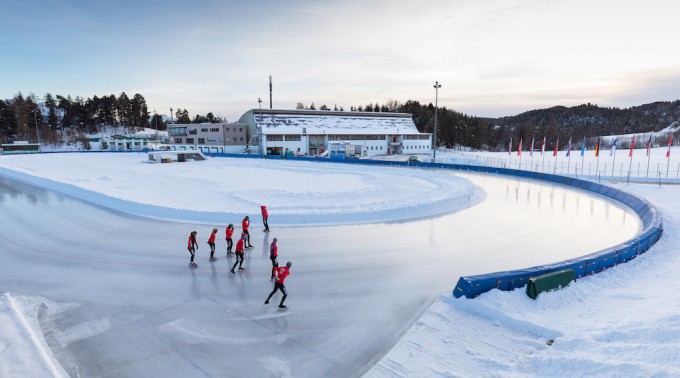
x=622 y=322
x=217 y=189
x=350 y=124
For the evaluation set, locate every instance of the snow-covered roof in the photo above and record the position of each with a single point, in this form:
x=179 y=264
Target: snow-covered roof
x=331 y=122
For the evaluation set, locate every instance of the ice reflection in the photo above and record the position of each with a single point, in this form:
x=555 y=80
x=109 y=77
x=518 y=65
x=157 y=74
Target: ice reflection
x=573 y=223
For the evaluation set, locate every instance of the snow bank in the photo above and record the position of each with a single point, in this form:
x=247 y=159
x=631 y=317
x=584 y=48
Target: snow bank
x=23 y=349
x=222 y=189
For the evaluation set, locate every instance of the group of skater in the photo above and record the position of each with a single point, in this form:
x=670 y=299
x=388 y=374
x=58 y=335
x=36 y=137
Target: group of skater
x=278 y=273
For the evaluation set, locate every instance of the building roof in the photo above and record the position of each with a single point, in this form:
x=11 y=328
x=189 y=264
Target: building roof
x=332 y=122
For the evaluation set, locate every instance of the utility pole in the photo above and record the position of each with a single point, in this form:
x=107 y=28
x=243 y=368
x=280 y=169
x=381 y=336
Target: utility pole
x=436 y=99
x=270 y=92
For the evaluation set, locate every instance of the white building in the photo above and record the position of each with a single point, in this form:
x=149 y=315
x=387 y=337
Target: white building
x=317 y=132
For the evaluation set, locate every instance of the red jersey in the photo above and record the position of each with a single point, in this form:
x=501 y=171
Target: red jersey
x=229 y=232
x=281 y=273
x=274 y=250
x=211 y=239
x=191 y=242
x=265 y=214
x=239 y=246
x=245 y=224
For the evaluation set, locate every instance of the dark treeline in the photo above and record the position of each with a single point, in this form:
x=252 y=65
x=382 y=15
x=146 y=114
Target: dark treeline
x=588 y=120
x=453 y=128
x=32 y=118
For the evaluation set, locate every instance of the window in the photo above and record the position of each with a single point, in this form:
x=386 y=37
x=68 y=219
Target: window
x=226 y=129
x=190 y=140
x=274 y=138
x=293 y=138
x=228 y=139
x=214 y=140
x=214 y=129
x=204 y=130
x=201 y=140
x=178 y=131
x=193 y=132
x=178 y=140
x=241 y=139
x=240 y=129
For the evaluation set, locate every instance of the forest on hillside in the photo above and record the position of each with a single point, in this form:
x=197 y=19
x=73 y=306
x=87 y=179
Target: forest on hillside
x=33 y=118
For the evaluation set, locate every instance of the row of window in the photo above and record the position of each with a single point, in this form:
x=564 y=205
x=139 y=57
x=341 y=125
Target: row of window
x=416 y=137
x=202 y=140
x=177 y=131
x=415 y=147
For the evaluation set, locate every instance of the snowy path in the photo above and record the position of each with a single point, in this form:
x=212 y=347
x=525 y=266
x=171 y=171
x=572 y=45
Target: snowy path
x=128 y=306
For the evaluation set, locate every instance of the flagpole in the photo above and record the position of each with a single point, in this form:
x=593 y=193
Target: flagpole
x=649 y=153
x=614 y=162
x=597 y=155
x=557 y=147
x=543 y=156
x=583 y=154
x=531 y=154
x=630 y=155
x=668 y=154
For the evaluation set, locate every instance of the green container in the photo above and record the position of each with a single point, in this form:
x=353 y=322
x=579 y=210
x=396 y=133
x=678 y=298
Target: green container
x=550 y=281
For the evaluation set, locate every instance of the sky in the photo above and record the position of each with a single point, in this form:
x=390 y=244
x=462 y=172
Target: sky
x=492 y=58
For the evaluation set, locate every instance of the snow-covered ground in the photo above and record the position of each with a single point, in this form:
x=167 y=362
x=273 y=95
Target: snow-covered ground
x=210 y=191
x=623 y=322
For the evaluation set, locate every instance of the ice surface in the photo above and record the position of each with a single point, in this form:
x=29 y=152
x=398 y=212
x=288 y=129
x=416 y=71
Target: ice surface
x=135 y=308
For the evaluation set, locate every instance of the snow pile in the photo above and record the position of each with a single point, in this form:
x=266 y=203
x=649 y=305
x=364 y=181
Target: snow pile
x=210 y=191
x=23 y=349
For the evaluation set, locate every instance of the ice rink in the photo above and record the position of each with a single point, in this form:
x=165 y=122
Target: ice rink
x=119 y=299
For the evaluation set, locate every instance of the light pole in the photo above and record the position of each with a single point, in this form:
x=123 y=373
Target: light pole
x=35 y=117
x=436 y=99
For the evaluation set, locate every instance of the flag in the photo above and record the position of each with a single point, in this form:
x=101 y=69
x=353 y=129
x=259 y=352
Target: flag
x=510 y=146
x=531 y=151
x=556 y=146
x=670 y=142
x=649 y=144
x=519 y=148
x=569 y=147
x=597 y=147
x=543 y=147
x=613 y=147
x=632 y=145
x=583 y=146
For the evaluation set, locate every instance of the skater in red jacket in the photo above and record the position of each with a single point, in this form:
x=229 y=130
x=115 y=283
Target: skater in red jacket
x=245 y=223
x=265 y=217
x=192 y=246
x=240 y=251
x=211 y=243
x=229 y=231
x=273 y=254
x=281 y=274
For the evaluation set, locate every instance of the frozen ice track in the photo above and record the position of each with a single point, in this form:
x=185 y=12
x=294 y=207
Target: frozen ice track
x=353 y=290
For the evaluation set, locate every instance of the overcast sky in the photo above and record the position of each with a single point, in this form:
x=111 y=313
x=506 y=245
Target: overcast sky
x=493 y=58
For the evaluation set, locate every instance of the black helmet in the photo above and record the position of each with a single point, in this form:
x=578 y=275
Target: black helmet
x=194 y=232
x=275 y=240
x=288 y=264
x=214 y=230
x=247 y=217
x=230 y=225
